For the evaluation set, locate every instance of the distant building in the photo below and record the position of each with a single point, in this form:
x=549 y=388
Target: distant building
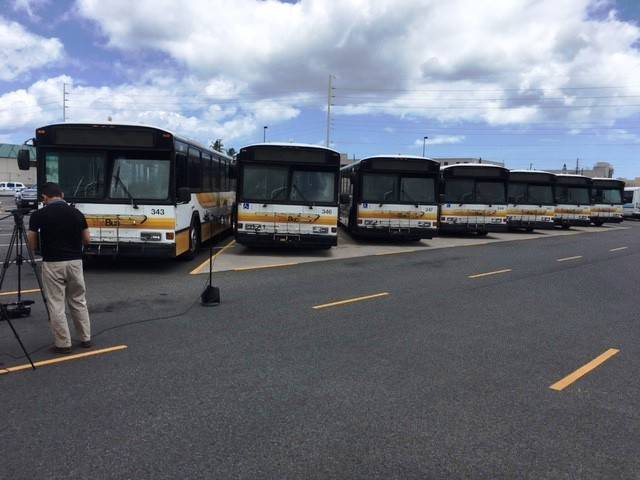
x=9 y=170
x=456 y=160
x=630 y=182
x=600 y=169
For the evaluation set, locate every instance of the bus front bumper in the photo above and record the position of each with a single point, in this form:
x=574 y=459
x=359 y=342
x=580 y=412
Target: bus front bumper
x=606 y=219
x=472 y=227
x=573 y=222
x=131 y=249
x=538 y=225
x=286 y=239
x=397 y=233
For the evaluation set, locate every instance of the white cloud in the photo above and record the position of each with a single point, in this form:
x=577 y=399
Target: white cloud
x=22 y=51
x=176 y=104
x=515 y=62
x=29 y=6
x=441 y=140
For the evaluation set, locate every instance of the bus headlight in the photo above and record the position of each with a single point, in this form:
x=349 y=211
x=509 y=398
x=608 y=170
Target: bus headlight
x=151 y=236
x=320 y=229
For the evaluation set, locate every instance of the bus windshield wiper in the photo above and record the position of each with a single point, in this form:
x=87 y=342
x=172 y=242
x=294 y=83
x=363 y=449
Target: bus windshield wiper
x=410 y=197
x=294 y=186
x=385 y=196
x=124 y=187
x=75 y=192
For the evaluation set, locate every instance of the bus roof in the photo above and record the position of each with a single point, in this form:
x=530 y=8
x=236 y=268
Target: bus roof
x=472 y=165
x=396 y=161
x=531 y=176
x=293 y=145
x=631 y=189
x=572 y=179
x=176 y=136
x=610 y=182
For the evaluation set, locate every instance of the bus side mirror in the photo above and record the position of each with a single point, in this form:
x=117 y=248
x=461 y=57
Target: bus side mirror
x=345 y=198
x=24 y=159
x=184 y=195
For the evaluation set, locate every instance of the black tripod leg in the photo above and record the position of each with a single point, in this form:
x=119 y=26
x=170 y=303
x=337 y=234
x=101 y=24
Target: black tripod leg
x=32 y=261
x=19 y=341
x=7 y=258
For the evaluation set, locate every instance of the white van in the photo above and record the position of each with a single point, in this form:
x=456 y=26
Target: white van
x=9 y=188
x=631 y=201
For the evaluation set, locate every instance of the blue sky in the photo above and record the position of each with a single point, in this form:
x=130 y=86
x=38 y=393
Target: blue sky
x=539 y=83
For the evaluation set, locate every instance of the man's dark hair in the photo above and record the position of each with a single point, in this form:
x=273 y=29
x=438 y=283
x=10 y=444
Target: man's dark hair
x=51 y=189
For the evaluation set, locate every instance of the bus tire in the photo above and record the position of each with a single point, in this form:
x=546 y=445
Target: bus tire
x=482 y=233
x=598 y=223
x=194 y=239
x=565 y=226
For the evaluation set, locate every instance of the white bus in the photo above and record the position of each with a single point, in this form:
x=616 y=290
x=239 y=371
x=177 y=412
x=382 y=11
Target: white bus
x=144 y=191
x=631 y=199
x=530 y=200
x=474 y=198
x=606 y=203
x=390 y=196
x=573 y=200
x=287 y=195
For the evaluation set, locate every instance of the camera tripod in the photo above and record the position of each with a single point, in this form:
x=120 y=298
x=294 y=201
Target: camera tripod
x=20 y=308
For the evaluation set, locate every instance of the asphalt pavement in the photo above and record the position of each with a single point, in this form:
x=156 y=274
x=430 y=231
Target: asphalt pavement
x=442 y=372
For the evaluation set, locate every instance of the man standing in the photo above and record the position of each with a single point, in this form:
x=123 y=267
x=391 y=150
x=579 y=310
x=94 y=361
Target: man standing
x=63 y=230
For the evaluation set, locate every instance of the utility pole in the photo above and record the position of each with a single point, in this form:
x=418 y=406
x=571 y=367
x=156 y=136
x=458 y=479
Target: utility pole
x=424 y=145
x=64 y=102
x=577 y=165
x=329 y=97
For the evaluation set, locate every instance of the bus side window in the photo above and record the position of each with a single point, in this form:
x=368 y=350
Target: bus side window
x=195 y=170
x=224 y=175
x=208 y=174
x=181 y=171
x=215 y=174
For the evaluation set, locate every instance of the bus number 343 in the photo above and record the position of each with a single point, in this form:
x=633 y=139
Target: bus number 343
x=157 y=211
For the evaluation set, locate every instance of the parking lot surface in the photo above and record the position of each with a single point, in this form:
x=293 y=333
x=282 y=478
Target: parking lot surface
x=426 y=363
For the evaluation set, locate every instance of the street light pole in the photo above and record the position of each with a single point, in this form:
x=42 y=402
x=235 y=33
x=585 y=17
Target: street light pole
x=264 y=134
x=424 y=145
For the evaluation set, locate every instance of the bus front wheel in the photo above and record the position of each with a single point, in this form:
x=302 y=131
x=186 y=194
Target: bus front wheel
x=194 y=240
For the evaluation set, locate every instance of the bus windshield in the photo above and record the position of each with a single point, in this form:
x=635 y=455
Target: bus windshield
x=541 y=194
x=572 y=195
x=608 y=195
x=81 y=175
x=490 y=192
x=267 y=183
x=140 y=178
x=312 y=186
x=264 y=183
x=389 y=188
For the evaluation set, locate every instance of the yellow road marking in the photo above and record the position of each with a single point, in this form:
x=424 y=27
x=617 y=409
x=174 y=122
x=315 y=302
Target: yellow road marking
x=66 y=358
x=478 y=275
x=568 y=258
x=582 y=371
x=396 y=252
x=618 y=249
x=214 y=256
x=260 y=267
x=350 y=300
x=33 y=290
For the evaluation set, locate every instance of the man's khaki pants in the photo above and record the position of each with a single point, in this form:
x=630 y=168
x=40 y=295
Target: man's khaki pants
x=64 y=284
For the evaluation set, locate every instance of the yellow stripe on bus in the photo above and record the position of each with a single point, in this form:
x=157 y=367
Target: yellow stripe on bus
x=285 y=218
x=130 y=221
x=397 y=214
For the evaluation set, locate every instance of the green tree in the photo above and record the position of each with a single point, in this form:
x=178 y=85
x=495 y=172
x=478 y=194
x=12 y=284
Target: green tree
x=217 y=145
x=231 y=152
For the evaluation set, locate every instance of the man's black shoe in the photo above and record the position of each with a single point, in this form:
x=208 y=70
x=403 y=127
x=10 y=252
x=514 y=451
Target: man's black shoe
x=62 y=350
x=86 y=344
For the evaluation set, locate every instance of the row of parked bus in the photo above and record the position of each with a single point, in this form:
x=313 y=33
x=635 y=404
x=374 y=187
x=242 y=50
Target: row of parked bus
x=292 y=193
x=149 y=192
